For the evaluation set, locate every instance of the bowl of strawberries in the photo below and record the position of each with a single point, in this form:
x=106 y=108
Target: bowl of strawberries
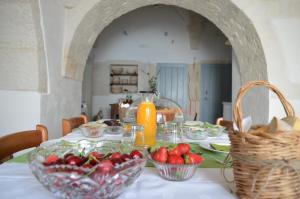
x=86 y=169
x=175 y=162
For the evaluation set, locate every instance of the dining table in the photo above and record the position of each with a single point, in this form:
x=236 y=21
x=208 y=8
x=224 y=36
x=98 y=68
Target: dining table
x=17 y=180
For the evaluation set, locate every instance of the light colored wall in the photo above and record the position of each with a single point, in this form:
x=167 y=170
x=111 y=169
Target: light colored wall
x=278 y=25
x=90 y=18
x=64 y=96
x=20 y=110
x=22 y=65
x=101 y=94
x=146 y=45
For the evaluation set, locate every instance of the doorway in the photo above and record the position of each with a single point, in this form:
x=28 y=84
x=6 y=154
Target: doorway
x=215 y=88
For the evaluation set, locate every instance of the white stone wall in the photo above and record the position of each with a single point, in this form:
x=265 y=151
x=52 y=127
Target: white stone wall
x=22 y=65
x=64 y=96
x=20 y=110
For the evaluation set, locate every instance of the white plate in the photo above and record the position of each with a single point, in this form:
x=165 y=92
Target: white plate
x=206 y=145
x=193 y=123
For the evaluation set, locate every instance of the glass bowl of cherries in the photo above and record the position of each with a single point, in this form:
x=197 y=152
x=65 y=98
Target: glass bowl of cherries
x=86 y=169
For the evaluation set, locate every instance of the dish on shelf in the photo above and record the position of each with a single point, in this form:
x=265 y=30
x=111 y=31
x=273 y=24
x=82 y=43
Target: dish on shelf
x=115 y=80
x=117 y=71
x=116 y=89
x=133 y=80
x=131 y=71
x=124 y=81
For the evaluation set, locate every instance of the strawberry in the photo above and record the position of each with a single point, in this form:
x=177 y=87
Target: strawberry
x=136 y=154
x=161 y=155
x=192 y=158
x=175 y=159
x=174 y=151
x=51 y=159
x=184 y=148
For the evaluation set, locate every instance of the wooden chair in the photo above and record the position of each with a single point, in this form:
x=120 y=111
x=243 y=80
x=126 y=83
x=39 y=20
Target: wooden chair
x=226 y=123
x=12 y=143
x=71 y=123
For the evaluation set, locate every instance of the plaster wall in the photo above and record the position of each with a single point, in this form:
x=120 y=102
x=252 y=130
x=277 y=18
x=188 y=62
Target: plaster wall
x=83 y=30
x=20 y=110
x=161 y=34
x=101 y=94
x=87 y=89
x=166 y=38
x=22 y=65
x=278 y=25
x=64 y=96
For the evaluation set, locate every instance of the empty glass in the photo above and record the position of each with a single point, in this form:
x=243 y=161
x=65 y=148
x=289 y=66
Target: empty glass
x=171 y=133
x=135 y=136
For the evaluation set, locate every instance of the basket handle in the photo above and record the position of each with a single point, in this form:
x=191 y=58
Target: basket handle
x=237 y=110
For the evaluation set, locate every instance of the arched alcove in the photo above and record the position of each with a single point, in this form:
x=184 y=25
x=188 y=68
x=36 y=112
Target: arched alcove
x=232 y=21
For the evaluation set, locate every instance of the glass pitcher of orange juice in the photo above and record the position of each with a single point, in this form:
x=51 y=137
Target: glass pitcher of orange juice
x=146 y=116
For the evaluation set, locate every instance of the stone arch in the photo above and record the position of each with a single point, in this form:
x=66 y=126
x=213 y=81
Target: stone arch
x=231 y=20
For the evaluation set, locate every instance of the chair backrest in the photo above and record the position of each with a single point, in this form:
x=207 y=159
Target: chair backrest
x=12 y=143
x=71 y=123
x=226 y=123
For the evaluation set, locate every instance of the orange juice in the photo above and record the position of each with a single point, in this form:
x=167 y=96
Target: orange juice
x=146 y=117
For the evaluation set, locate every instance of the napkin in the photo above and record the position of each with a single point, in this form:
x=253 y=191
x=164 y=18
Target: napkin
x=246 y=123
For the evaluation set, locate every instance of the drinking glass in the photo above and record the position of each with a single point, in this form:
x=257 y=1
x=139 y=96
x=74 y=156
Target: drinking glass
x=172 y=133
x=135 y=136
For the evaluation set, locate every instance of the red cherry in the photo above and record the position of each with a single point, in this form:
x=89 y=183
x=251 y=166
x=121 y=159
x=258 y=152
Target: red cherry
x=96 y=155
x=136 y=154
x=67 y=155
x=73 y=160
x=125 y=157
x=116 y=161
x=105 y=166
x=88 y=166
x=115 y=155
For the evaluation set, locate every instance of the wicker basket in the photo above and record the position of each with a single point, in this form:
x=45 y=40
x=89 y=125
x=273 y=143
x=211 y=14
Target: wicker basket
x=267 y=165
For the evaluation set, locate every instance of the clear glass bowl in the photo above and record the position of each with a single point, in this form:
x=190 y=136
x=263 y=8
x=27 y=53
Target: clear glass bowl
x=92 y=130
x=215 y=132
x=66 y=181
x=114 y=130
x=195 y=133
x=174 y=172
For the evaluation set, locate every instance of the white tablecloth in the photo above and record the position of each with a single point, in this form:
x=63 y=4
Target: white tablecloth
x=17 y=181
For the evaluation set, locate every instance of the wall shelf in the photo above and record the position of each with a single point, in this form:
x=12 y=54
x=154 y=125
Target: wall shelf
x=123 y=75
x=123 y=78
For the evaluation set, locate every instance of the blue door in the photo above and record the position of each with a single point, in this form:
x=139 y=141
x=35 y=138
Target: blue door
x=215 y=88
x=172 y=82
